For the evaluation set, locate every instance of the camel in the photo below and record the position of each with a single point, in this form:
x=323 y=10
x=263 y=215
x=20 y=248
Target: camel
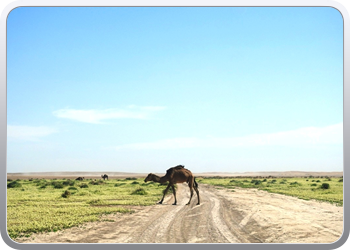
x=79 y=179
x=104 y=176
x=177 y=174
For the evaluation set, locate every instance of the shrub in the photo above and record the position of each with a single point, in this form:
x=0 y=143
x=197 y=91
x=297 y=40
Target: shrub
x=68 y=183
x=66 y=194
x=84 y=185
x=130 y=178
x=14 y=184
x=39 y=182
x=99 y=182
x=325 y=186
x=135 y=182
x=72 y=188
x=341 y=180
x=318 y=181
x=256 y=182
x=56 y=184
x=9 y=180
x=295 y=183
x=139 y=191
x=313 y=184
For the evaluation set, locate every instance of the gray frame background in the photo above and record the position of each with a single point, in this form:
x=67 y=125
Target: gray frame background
x=227 y=3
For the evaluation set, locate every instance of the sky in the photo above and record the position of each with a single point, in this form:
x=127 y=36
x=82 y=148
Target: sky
x=222 y=89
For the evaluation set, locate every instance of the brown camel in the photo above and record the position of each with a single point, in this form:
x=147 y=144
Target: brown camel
x=104 y=176
x=177 y=174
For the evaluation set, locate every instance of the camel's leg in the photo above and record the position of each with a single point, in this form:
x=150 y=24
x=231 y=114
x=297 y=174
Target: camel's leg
x=191 y=190
x=164 y=193
x=196 y=189
x=174 y=192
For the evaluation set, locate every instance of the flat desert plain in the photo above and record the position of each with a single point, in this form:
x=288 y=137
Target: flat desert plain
x=224 y=216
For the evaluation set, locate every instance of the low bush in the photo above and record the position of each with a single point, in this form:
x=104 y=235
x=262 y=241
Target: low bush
x=139 y=191
x=14 y=184
x=43 y=186
x=256 y=182
x=130 y=178
x=99 y=182
x=68 y=183
x=66 y=194
x=56 y=184
x=325 y=186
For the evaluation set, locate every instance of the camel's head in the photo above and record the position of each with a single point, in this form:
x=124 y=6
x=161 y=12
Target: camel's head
x=149 y=177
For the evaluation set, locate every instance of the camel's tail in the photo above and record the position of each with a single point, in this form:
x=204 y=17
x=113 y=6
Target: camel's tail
x=195 y=183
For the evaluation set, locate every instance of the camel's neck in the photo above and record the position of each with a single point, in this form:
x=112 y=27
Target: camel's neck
x=161 y=180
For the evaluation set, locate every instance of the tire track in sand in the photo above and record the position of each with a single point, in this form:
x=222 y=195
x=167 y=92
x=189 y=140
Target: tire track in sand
x=187 y=223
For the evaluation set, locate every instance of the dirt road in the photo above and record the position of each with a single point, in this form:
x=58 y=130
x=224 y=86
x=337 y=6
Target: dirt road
x=224 y=216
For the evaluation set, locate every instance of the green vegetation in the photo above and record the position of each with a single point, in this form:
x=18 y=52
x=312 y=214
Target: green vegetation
x=14 y=184
x=139 y=191
x=332 y=191
x=51 y=205
x=325 y=185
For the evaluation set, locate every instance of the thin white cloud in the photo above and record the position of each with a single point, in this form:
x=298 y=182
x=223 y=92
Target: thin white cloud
x=98 y=116
x=304 y=136
x=29 y=132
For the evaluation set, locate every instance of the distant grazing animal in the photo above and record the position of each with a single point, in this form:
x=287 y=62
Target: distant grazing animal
x=79 y=179
x=177 y=174
x=104 y=176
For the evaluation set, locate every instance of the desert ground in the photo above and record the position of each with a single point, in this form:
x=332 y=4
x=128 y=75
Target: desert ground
x=223 y=216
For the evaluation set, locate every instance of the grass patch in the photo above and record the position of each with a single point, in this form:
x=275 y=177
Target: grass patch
x=39 y=206
x=298 y=187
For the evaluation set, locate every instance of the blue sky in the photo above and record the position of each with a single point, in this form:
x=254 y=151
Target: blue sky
x=144 y=89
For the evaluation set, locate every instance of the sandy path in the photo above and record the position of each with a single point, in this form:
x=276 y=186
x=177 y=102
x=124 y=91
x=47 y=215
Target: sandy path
x=245 y=215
